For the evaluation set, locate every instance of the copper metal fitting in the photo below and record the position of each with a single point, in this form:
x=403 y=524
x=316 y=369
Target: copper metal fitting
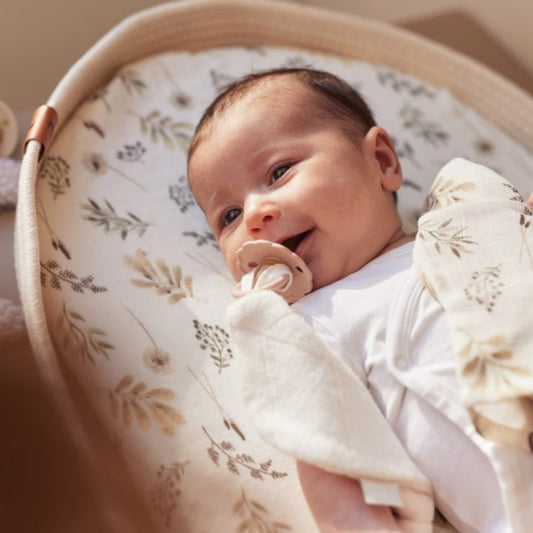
x=41 y=129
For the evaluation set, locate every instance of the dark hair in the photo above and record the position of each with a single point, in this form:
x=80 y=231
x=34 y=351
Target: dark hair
x=336 y=99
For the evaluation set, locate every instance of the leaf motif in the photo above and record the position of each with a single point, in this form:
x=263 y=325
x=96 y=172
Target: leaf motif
x=160 y=394
x=124 y=383
x=142 y=417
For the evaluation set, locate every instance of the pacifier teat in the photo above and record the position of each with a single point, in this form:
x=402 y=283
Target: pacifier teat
x=267 y=265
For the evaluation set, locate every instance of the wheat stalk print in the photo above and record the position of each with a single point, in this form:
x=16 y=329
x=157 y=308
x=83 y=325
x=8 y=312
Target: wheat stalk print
x=254 y=517
x=166 y=490
x=97 y=165
x=57 y=243
x=58 y=276
x=130 y=401
x=87 y=341
x=234 y=460
x=446 y=192
x=489 y=360
x=429 y=131
x=161 y=278
x=154 y=357
x=445 y=235
x=107 y=217
x=163 y=128
x=132 y=81
x=228 y=421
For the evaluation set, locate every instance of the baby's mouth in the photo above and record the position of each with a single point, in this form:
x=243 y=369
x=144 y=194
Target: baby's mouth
x=292 y=242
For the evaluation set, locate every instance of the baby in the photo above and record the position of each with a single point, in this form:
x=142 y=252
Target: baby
x=295 y=157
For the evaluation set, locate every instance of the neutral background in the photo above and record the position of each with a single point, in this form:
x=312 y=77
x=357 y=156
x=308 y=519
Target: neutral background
x=41 y=39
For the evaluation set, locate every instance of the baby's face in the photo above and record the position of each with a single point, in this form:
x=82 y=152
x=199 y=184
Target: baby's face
x=270 y=170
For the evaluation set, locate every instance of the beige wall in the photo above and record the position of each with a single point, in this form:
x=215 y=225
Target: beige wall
x=41 y=39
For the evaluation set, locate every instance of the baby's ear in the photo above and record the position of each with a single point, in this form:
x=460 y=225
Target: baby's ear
x=380 y=148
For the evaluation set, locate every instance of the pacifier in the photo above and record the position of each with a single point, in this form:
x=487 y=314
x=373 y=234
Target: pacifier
x=267 y=265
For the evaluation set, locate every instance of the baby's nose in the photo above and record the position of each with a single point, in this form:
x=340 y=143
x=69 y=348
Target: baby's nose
x=259 y=213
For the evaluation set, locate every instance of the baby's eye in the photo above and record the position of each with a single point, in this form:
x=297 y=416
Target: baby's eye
x=230 y=215
x=278 y=172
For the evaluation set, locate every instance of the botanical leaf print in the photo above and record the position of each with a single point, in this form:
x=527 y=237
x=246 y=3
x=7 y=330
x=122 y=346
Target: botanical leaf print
x=525 y=224
x=423 y=127
x=97 y=165
x=237 y=462
x=106 y=217
x=488 y=363
x=207 y=237
x=215 y=340
x=130 y=400
x=92 y=125
x=154 y=357
x=132 y=81
x=254 y=517
x=166 y=490
x=446 y=235
x=161 y=278
x=100 y=96
x=80 y=339
x=181 y=193
x=57 y=243
x=132 y=153
x=56 y=172
x=165 y=129
x=220 y=80
x=228 y=421
x=485 y=286
x=57 y=276
x=400 y=83
x=446 y=191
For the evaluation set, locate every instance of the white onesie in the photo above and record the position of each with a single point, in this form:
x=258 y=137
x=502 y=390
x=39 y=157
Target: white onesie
x=385 y=325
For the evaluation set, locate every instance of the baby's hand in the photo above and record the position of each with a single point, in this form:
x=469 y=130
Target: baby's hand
x=530 y=201
x=267 y=265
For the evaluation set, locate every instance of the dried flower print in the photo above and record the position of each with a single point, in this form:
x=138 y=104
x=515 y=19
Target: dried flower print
x=485 y=287
x=57 y=243
x=228 y=421
x=489 y=364
x=421 y=126
x=215 y=340
x=525 y=224
x=154 y=357
x=132 y=82
x=164 y=128
x=161 y=278
x=57 y=276
x=98 y=166
x=447 y=236
x=81 y=340
x=56 y=172
x=181 y=193
x=446 y=191
x=235 y=462
x=401 y=83
x=254 y=517
x=166 y=490
x=132 y=153
x=105 y=216
x=100 y=96
x=130 y=400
